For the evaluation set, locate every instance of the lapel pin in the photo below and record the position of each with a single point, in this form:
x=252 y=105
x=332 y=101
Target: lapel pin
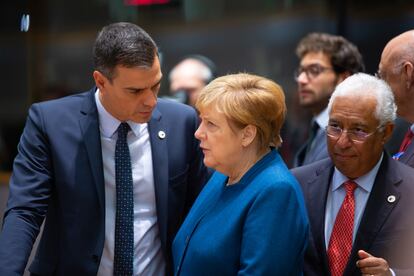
x=391 y=199
x=161 y=134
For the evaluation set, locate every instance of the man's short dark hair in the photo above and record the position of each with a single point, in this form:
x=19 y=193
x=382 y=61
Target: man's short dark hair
x=123 y=44
x=344 y=55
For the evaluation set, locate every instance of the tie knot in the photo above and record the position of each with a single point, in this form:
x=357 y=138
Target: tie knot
x=123 y=130
x=350 y=186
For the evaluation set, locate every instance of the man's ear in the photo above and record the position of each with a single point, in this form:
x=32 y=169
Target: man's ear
x=408 y=70
x=100 y=80
x=249 y=133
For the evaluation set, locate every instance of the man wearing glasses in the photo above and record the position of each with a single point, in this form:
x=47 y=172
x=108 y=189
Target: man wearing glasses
x=325 y=61
x=360 y=200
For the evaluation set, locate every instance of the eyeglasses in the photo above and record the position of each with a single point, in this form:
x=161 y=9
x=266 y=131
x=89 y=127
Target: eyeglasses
x=311 y=71
x=355 y=135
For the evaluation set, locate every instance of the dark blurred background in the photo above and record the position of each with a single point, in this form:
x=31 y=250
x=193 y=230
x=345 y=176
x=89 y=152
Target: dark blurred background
x=46 y=45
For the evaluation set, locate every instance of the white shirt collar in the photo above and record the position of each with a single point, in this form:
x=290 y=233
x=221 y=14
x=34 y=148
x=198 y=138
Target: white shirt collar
x=322 y=118
x=109 y=124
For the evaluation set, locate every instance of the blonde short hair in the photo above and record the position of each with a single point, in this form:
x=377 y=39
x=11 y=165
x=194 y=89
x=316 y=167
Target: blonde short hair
x=247 y=99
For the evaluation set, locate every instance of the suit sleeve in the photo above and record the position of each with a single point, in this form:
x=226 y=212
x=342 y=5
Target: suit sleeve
x=29 y=193
x=275 y=233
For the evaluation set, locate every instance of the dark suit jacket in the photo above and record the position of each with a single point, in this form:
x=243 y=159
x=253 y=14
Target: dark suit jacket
x=408 y=156
x=318 y=152
x=385 y=227
x=58 y=173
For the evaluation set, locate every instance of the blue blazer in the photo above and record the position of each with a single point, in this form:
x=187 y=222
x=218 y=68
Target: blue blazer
x=386 y=227
x=58 y=174
x=255 y=227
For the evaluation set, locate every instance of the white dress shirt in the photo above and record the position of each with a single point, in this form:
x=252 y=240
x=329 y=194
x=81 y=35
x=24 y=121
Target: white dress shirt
x=148 y=256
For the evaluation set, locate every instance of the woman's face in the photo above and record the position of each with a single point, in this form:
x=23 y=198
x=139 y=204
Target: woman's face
x=221 y=145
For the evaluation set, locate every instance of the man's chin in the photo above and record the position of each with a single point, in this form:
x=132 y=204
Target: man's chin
x=306 y=103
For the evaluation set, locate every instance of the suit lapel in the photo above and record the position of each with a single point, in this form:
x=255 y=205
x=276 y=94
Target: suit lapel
x=319 y=148
x=158 y=139
x=300 y=156
x=376 y=211
x=318 y=190
x=89 y=125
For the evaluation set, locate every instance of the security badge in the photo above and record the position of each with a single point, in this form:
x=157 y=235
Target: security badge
x=161 y=134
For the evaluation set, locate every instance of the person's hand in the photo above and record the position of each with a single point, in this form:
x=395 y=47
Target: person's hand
x=370 y=265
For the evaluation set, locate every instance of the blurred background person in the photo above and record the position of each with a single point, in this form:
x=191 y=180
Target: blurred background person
x=250 y=219
x=189 y=76
x=360 y=200
x=397 y=69
x=325 y=61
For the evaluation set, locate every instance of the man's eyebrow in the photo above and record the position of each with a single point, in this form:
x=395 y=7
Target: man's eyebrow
x=157 y=83
x=141 y=88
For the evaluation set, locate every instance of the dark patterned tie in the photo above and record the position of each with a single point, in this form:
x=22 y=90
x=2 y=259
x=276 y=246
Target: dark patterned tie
x=124 y=231
x=340 y=243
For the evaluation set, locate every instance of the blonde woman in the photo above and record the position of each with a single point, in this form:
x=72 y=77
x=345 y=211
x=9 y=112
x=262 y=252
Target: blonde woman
x=250 y=218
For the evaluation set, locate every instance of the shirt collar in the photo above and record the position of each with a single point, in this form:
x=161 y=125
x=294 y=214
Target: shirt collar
x=365 y=182
x=109 y=124
x=322 y=118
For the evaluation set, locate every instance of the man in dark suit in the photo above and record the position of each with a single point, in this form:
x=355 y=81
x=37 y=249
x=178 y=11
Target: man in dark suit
x=359 y=201
x=325 y=61
x=397 y=69
x=112 y=170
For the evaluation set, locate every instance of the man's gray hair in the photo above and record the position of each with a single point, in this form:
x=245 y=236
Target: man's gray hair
x=361 y=84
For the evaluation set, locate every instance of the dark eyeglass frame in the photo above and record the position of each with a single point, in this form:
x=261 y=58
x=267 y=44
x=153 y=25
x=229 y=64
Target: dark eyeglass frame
x=355 y=136
x=311 y=71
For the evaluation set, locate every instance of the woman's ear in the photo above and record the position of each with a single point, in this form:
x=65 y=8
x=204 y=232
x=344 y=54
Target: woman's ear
x=249 y=134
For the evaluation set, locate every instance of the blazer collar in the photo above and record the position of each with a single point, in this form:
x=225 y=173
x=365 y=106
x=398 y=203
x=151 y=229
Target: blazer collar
x=89 y=125
x=318 y=187
x=158 y=138
x=377 y=210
